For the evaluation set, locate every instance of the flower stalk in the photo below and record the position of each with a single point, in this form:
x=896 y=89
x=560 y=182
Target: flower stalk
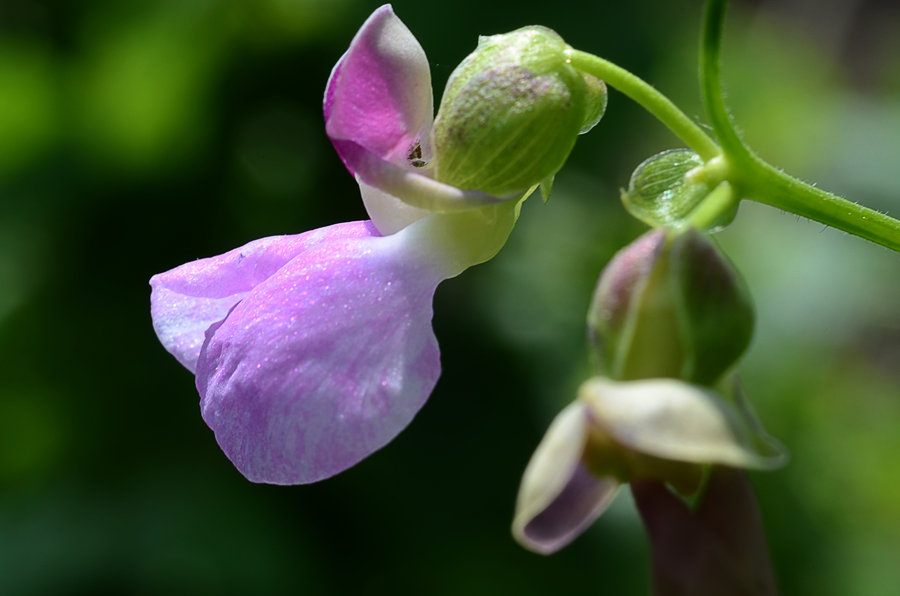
x=649 y=98
x=762 y=182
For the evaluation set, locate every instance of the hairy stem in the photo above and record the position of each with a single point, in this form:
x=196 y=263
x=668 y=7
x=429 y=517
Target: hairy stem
x=761 y=182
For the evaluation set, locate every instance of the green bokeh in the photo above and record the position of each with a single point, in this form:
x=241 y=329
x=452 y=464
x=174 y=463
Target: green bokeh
x=137 y=136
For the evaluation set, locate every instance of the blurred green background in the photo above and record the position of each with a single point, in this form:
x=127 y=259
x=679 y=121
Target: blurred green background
x=135 y=136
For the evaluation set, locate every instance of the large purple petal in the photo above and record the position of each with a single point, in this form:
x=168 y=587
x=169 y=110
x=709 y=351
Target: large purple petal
x=379 y=94
x=186 y=300
x=325 y=362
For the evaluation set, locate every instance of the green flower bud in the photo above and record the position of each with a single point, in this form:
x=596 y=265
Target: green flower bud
x=670 y=305
x=511 y=112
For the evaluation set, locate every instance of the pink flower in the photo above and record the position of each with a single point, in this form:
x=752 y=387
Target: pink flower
x=313 y=351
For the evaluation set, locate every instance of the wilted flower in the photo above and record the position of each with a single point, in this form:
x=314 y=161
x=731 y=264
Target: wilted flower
x=656 y=429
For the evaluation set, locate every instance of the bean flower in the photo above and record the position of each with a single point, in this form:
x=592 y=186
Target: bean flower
x=312 y=351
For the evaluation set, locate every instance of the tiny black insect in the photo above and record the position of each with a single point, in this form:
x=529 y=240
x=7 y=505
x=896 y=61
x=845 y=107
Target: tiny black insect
x=415 y=156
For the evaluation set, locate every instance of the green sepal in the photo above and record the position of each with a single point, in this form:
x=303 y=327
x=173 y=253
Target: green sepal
x=546 y=187
x=714 y=307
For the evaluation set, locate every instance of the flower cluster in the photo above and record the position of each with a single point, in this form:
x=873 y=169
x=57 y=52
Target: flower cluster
x=312 y=351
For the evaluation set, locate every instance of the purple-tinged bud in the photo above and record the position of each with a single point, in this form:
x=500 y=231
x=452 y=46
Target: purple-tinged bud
x=670 y=305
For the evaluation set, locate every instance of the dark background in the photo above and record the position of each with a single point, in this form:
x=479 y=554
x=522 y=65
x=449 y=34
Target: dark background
x=135 y=136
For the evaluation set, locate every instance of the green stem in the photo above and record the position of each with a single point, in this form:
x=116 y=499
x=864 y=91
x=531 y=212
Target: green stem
x=760 y=181
x=717 y=209
x=711 y=81
x=766 y=184
x=649 y=98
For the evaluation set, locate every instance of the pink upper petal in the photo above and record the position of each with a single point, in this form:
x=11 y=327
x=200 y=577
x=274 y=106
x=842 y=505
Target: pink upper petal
x=186 y=300
x=323 y=363
x=379 y=94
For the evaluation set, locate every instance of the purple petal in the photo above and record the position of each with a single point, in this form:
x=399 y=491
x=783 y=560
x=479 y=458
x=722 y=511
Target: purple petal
x=186 y=300
x=325 y=362
x=559 y=497
x=379 y=94
x=718 y=548
x=581 y=501
x=378 y=111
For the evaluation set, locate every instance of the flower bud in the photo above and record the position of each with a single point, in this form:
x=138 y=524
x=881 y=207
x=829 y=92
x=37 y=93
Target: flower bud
x=670 y=305
x=511 y=112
